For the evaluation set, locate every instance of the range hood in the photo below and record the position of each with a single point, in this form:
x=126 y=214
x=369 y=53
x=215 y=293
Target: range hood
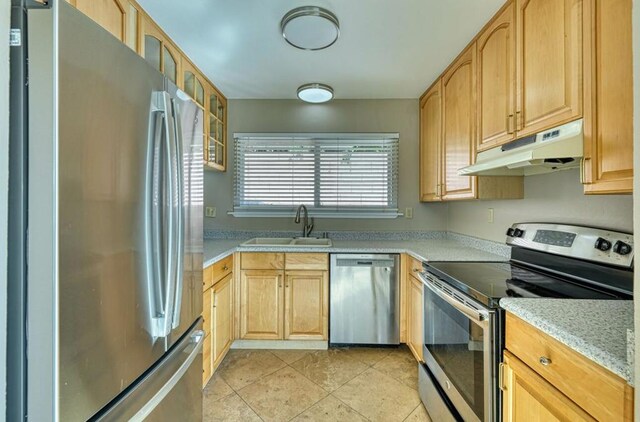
x=555 y=149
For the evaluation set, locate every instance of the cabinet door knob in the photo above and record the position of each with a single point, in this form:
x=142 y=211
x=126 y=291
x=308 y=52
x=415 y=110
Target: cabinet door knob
x=545 y=360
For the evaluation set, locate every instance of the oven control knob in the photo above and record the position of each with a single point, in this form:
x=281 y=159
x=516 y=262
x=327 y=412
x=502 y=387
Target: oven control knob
x=510 y=232
x=603 y=244
x=518 y=233
x=622 y=248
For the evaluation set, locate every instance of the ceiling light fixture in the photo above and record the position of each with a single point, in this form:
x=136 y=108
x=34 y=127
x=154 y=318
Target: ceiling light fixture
x=315 y=93
x=310 y=28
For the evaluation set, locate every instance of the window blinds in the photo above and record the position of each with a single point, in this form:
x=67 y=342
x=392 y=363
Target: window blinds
x=334 y=175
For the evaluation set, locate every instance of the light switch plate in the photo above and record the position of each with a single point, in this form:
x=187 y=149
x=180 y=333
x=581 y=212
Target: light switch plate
x=490 y=216
x=210 y=212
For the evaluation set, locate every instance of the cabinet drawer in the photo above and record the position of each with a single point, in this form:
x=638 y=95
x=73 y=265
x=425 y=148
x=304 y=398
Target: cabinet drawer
x=262 y=261
x=597 y=390
x=307 y=261
x=207 y=320
x=207 y=278
x=415 y=266
x=221 y=268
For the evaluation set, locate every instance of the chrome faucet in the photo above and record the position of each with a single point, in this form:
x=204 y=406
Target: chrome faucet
x=306 y=226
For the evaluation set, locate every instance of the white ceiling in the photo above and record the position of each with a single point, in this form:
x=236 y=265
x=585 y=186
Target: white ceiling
x=386 y=49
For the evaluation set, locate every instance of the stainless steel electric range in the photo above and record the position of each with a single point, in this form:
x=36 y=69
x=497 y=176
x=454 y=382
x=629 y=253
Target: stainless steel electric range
x=464 y=324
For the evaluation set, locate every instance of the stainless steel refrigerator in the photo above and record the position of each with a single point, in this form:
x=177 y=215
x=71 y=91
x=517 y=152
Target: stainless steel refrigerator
x=108 y=262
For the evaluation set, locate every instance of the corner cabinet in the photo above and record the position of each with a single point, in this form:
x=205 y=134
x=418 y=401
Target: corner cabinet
x=431 y=143
x=448 y=127
x=284 y=298
x=458 y=126
x=608 y=158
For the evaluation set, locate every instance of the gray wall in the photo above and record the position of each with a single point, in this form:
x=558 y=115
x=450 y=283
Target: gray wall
x=553 y=197
x=4 y=151
x=337 y=116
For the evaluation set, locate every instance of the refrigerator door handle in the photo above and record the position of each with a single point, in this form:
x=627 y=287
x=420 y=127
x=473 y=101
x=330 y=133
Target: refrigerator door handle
x=179 y=222
x=160 y=232
x=158 y=239
x=194 y=348
x=171 y=208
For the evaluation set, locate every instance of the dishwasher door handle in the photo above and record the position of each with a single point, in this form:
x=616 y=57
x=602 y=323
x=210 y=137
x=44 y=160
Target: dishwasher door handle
x=365 y=263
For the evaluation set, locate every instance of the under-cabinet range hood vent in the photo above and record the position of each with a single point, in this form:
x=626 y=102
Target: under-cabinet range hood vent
x=554 y=149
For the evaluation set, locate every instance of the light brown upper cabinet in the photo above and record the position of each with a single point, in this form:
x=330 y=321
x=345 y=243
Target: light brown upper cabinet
x=608 y=95
x=112 y=15
x=160 y=51
x=496 y=84
x=448 y=139
x=216 y=146
x=430 y=143
x=549 y=63
x=458 y=126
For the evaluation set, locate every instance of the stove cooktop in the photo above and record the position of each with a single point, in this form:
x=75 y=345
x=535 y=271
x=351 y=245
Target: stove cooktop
x=488 y=282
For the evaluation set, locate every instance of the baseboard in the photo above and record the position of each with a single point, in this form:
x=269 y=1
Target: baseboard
x=281 y=344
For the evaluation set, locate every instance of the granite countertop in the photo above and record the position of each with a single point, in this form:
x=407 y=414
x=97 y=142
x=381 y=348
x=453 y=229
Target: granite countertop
x=596 y=329
x=423 y=250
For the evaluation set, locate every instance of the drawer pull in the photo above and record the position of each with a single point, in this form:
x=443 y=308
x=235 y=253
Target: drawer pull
x=225 y=268
x=545 y=360
x=416 y=270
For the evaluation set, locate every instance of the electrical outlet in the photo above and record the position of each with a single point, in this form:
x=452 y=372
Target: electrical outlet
x=408 y=212
x=490 y=216
x=210 y=212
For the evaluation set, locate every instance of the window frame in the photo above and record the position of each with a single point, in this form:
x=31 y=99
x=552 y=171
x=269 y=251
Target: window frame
x=390 y=141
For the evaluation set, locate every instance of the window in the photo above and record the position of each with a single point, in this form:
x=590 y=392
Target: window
x=334 y=175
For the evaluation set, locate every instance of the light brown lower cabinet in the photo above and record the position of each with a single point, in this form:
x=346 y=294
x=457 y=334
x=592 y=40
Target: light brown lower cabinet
x=217 y=315
x=222 y=335
x=284 y=304
x=261 y=301
x=545 y=380
x=306 y=305
x=528 y=397
x=415 y=317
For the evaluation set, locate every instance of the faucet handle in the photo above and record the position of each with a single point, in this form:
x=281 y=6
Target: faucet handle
x=309 y=227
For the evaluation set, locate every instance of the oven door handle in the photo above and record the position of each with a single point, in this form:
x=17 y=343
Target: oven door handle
x=474 y=314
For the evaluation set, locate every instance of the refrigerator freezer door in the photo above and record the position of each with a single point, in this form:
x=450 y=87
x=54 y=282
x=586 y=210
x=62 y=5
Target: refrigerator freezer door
x=170 y=391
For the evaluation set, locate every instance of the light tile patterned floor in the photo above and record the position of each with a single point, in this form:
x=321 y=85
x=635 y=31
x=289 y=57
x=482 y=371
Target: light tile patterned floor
x=347 y=384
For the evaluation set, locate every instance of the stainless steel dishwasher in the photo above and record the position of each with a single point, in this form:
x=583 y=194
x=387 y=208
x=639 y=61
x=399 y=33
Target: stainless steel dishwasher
x=364 y=299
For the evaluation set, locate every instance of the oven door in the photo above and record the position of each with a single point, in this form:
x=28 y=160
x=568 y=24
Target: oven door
x=458 y=348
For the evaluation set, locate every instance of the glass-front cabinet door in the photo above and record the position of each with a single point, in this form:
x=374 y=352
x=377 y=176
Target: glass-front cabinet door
x=216 y=146
x=193 y=85
x=160 y=52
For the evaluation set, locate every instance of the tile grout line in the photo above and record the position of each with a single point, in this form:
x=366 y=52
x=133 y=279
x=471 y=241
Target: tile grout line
x=358 y=413
x=340 y=386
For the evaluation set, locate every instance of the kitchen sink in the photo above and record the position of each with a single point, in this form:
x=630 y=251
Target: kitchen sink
x=300 y=242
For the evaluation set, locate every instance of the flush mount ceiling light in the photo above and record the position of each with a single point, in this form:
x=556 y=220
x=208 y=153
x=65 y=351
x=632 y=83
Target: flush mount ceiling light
x=310 y=28
x=315 y=93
